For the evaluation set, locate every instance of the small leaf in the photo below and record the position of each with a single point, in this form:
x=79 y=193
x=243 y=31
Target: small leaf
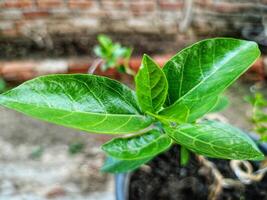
x=221 y=104
x=151 y=86
x=216 y=140
x=200 y=73
x=113 y=165
x=86 y=102
x=105 y=41
x=138 y=147
x=98 y=51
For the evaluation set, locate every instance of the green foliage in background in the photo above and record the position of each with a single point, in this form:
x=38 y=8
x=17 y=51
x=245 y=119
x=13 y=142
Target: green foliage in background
x=259 y=114
x=113 y=55
x=164 y=110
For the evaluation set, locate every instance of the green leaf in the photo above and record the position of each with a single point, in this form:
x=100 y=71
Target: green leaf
x=151 y=86
x=86 y=102
x=216 y=140
x=113 y=165
x=138 y=147
x=200 y=73
x=105 y=41
x=221 y=104
x=98 y=51
x=263 y=138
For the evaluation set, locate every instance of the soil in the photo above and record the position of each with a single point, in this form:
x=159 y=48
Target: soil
x=165 y=179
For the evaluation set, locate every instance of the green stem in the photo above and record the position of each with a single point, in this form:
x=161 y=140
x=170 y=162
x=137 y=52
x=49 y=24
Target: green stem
x=184 y=156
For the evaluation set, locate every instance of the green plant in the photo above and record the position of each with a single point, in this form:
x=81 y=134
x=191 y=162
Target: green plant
x=259 y=114
x=164 y=110
x=113 y=55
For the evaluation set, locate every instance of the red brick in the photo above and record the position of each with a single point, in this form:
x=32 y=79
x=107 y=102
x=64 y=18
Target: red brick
x=113 y=4
x=17 y=4
x=18 y=70
x=20 y=24
x=35 y=14
x=203 y=3
x=18 y=66
x=227 y=7
x=223 y=7
x=256 y=72
x=27 y=75
x=171 y=5
x=142 y=7
x=135 y=63
x=79 y=65
x=80 y=4
x=49 y=3
x=9 y=32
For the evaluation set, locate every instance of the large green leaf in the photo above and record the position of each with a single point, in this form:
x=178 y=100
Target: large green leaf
x=113 y=165
x=86 y=102
x=151 y=86
x=199 y=73
x=215 y=139
x=221 y=104
x=138 y=147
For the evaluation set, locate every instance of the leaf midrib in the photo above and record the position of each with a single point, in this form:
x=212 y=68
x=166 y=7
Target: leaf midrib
x=149 y=82
x=211 y=145
x=82 y=112
x=148 y=144
x=211 y=74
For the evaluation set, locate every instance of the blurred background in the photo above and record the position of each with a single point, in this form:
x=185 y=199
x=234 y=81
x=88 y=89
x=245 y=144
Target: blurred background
x=37 y=37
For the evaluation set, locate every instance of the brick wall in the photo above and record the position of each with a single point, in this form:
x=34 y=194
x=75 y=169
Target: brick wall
x=44 y=22
x=29 y=17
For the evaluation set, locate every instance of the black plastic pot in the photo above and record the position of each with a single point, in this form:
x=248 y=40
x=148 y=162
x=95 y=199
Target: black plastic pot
x=122 y=181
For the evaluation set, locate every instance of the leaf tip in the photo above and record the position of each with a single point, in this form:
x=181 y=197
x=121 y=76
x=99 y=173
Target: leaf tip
x=103 y=147
x=259 y=156
x=146 y=57
x=255 y=46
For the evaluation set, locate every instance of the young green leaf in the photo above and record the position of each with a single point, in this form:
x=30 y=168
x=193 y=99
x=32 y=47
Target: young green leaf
x=200 y=73
x=86 y=102
x=113 y=165
x=151 y=86
x=104 y=41
x=215 y=139
x=138 y=147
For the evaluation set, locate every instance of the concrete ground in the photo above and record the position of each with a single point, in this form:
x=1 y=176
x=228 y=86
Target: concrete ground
x=40 y=161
